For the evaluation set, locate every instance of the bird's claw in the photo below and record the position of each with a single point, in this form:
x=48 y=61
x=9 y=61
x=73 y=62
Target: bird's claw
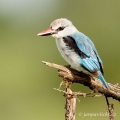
x=68 y=66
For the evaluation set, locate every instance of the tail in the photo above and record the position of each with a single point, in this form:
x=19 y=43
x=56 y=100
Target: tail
x=103 y=80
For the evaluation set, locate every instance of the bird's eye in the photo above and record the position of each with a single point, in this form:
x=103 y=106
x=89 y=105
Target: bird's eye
x=60 y=28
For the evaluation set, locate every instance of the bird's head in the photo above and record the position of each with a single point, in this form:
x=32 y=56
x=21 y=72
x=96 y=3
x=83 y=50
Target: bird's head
x=59 y=28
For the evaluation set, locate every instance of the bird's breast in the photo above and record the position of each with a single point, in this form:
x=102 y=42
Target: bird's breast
x=69 y=54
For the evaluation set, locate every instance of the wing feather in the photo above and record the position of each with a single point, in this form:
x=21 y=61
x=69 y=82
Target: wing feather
x=92 y=62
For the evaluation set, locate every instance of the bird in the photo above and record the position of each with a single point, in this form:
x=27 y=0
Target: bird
x=76 y=48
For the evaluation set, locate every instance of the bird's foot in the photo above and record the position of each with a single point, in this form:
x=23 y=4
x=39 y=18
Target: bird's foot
x=67 y=66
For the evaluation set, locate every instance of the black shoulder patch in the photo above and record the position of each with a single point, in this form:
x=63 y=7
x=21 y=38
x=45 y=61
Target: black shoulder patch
x=70 y=42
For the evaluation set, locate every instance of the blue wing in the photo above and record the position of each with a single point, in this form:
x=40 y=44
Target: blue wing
x=92 y=61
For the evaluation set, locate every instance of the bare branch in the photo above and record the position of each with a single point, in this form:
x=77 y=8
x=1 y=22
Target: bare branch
x=110 y=109
x=70 y=103
x=80 y=93
x=93 y=83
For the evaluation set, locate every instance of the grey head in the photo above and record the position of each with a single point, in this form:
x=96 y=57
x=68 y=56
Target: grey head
x=59 y=28
x=60 y=24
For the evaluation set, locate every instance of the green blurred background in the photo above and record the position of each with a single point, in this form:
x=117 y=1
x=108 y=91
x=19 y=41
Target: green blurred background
x=25 y=83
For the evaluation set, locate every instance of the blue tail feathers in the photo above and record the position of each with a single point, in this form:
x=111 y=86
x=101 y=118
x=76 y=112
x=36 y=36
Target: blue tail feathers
x=103 y=80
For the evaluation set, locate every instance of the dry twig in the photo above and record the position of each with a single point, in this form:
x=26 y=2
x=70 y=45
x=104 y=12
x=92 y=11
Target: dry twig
x=110 y=109
x=71 y=75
